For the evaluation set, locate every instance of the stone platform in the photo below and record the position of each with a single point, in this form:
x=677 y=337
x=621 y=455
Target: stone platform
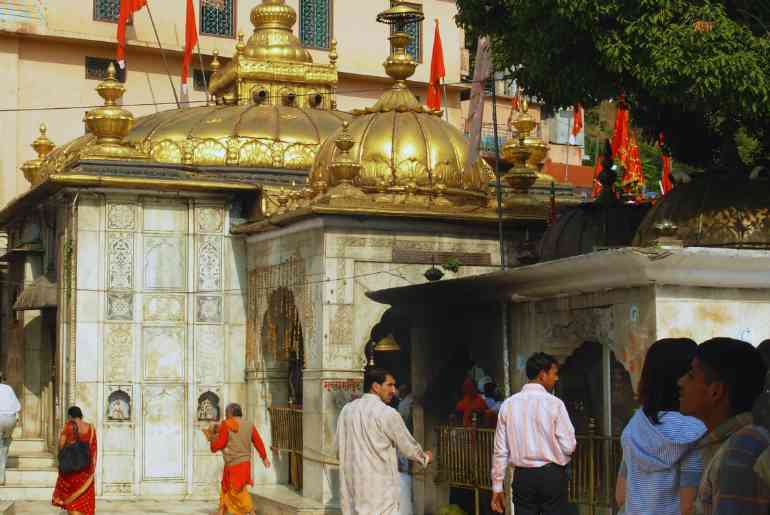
x=282 y=500
x=104 y=507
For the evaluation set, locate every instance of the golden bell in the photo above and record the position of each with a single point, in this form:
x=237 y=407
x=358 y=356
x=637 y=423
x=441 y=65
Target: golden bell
x=387 y=344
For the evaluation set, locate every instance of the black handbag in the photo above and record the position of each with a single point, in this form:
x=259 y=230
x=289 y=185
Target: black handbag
x=74 y=456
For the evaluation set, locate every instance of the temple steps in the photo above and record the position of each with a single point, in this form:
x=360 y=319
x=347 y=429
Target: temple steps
x=30 y=472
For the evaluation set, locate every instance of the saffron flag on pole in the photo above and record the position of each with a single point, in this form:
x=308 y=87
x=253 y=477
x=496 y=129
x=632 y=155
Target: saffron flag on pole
x=127 y=9
x=620 y=137
x=597 y=186
x=190 y=40
x=437 y=72
x=666 y=184
x=577 y=122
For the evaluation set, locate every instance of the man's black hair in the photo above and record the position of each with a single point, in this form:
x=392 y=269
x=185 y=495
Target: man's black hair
x=375 y=375
x=737 y=365
x=539 y=362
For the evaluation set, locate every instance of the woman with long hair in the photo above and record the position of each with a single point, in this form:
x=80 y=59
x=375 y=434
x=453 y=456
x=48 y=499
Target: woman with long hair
x=661 y=469
x=75 y=491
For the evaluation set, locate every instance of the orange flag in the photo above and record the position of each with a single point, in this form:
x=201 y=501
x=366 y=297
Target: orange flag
x=597 y=186
x=190 y=40
x=620 y=137
x=577 y=119
x=127 y=9
x=437 y=72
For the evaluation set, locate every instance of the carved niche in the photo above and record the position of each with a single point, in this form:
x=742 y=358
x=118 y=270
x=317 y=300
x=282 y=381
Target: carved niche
x=119 y=406
x=208 y=407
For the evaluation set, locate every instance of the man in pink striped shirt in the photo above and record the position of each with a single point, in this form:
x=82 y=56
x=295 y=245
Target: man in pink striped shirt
x=535 y=435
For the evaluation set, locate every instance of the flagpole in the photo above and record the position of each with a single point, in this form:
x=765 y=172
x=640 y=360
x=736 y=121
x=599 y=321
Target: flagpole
x=446 y=100
x=163 y=55
x=503 y=257
x=203 y=72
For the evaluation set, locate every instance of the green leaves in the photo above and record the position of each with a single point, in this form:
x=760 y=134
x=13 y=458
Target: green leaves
x=695 y=69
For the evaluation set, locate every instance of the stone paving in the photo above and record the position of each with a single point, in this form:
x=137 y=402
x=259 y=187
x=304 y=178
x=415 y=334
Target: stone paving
x=104 y=507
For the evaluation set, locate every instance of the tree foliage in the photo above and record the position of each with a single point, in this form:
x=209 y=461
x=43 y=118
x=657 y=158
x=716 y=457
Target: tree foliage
x=696 y=70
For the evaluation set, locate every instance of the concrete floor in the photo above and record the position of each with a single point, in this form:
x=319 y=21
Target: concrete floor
x=123 y=507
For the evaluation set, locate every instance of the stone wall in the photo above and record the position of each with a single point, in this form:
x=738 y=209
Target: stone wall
x=160 y=320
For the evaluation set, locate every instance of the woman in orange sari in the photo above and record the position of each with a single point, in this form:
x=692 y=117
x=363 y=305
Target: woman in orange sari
x=75 y=491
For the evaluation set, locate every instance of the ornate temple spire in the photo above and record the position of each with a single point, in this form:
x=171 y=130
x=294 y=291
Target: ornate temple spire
x=272 y=67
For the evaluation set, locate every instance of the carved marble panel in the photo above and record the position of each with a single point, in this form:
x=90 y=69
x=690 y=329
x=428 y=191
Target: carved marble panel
x=164 y=308
x=209 y=219
x=120 y=306
x=164 y=353
x=209 y=309
x=210 y=363
x=165 y=216
x=163 y=431
x=207 y=468
x=165 y=262
x=120 y=260
x=117 y=468
x=118 y=437
x=121 y=217
x=209 y=262
x=118 y=353
x=117 y=489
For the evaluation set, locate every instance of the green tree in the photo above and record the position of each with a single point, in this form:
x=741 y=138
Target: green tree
x=696 y=70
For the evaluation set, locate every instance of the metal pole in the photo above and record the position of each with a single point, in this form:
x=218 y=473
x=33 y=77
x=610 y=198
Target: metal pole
x=446 y=100
x=163 y=55
x=203 y=72
x=503 y=257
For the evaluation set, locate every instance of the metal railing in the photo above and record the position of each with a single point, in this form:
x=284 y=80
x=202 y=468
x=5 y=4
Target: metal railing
x=286 y=435
x=464 y=460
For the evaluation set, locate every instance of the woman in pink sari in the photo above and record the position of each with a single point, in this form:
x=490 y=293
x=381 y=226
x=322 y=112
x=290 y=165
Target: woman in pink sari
x=75 y=491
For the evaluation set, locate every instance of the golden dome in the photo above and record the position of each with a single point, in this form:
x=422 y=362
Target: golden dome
x=273 y=38
x=404 y=152
x=712 y=210
x=253 y=136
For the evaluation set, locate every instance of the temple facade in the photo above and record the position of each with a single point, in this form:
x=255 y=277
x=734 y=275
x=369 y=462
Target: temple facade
x=164 y=266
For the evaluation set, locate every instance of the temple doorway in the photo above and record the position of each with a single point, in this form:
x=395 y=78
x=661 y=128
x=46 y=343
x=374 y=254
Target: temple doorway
x=284 y=351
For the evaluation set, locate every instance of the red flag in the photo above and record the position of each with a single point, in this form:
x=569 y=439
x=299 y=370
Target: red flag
x=437 y=72
x=577 y=119
x=620 y=137
x=666 y=184
x=127 y=9
x=597 y=186
x=190 y=40
x=633 y=178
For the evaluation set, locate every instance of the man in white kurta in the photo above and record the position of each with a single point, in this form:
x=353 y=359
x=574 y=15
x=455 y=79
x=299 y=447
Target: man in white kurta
x=368 y=433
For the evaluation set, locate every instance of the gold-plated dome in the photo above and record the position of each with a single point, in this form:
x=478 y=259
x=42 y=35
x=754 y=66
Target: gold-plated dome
x=404 y=152
x=712 y=210
x=273 y=39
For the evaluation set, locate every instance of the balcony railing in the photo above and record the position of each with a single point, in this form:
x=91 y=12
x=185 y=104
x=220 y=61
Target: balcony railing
x=464 y=460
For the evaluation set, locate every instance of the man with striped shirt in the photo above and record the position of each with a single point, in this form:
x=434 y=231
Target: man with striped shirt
x=725 y=379
x=535 y=435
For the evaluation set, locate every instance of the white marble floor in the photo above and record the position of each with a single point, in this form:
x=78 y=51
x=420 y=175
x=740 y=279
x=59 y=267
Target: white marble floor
x=124 y=507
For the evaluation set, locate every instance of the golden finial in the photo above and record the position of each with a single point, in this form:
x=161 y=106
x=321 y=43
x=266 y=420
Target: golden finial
x=241 y=45
x=42 y=145
x=344 y=169
x=400 y=65
x=215 y=64
x=110 y=89
x=333 y=56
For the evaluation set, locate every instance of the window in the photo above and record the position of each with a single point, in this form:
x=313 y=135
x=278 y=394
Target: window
x=106 y=10
x=198 y=83
x=96 y=69
x=415 y=30
x=315 y=23
x=218 y=18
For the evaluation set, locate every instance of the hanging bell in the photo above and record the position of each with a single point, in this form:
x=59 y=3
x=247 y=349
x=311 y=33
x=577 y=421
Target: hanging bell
x=387 y=344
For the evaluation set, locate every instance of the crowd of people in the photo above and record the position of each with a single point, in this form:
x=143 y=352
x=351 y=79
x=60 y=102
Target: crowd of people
x=692 y=447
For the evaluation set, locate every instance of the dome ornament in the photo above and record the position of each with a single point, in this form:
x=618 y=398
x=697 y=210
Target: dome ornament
x=344 y=170
x=110 y=123
x=400 y=65
x=43 y=146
